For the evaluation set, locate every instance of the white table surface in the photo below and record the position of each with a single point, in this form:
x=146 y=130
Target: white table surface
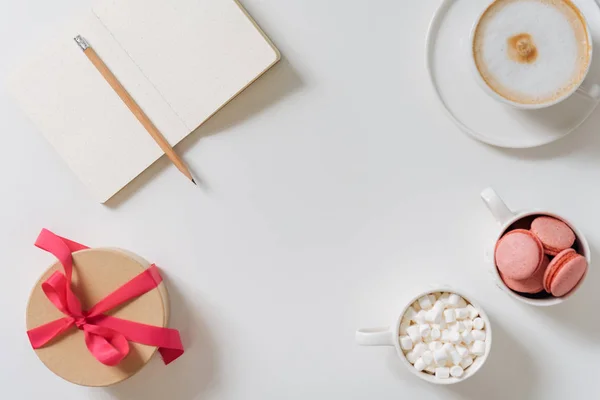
x=336 y=189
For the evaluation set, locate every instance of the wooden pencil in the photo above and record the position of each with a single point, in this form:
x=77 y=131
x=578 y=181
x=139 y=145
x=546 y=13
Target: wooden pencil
x=112 y=80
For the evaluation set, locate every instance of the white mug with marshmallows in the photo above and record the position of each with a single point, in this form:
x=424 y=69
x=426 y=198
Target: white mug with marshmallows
x=532 y=54
x=390 y=336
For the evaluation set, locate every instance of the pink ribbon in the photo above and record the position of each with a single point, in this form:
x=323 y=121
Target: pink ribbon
x=106 y=337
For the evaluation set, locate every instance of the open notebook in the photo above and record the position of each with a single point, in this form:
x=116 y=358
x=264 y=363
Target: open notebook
x=180 y=60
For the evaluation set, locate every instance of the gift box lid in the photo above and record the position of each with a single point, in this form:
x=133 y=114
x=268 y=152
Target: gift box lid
x=97 y=273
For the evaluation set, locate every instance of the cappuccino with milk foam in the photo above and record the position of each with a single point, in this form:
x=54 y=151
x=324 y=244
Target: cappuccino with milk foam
x=532 y=51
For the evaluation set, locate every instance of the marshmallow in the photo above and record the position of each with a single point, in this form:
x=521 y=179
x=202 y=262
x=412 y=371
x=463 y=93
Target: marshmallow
x=411 y=357
x=461 y=313
x=427 y=339
x=406 y=343
x=455 y=326
x=448 y=348
x=446 y=335
x=466 y=362
x=429 y=316
x=444 y=297
x=456 y=371
x=439 y=305
x=478 y=335
x=468 y=324
x=420 y=317
x=414 y=333
x=424 y=330
x=449 y=316
x=438 y=315
x=433 y=346
x=420 y=364
x=434 y=315
x=467 y=337
x=440 y=356
x=432 y=298
x=404 y=326
x=410 y=313
x=425 y=302
x=453 y=300
x=478 y=348
x=473 y=313
x=462 y=351
x=435 y=333
x=455 y=357
x=427 y=357
x=443 y=324
x=419 y=349
x=455 y=337
x=478 y=323
x=442 y=373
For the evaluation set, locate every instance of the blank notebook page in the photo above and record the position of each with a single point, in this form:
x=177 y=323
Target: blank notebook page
x=82 y=117
x=181 y=61
x=198 y=53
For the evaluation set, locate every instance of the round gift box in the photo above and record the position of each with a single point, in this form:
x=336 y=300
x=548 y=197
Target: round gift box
x=97 y=273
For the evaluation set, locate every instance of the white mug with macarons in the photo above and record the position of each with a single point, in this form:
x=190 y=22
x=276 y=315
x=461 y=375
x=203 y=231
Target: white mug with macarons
x=507 y=219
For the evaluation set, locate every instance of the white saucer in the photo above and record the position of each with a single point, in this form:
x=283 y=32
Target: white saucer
x=476 y=113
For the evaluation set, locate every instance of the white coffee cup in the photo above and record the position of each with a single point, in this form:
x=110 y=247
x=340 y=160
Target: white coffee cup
x=588 y=89
x=506 y=218
x=389 y=336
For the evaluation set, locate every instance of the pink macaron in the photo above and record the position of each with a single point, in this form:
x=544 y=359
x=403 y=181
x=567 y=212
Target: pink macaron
x=564 y=272
x=531 y=285
x=519 y=254
x=554 y=234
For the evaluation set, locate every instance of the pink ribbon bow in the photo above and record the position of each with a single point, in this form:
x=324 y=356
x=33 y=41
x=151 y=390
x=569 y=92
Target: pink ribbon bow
x=106 y=337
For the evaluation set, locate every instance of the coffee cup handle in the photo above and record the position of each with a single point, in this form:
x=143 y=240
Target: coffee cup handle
x=496 y=205
x=375 y=337
x=590 y=90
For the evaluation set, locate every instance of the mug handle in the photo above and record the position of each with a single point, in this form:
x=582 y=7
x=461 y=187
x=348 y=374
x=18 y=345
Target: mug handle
x=375 y=337
x=589 y=90
x=497 y=207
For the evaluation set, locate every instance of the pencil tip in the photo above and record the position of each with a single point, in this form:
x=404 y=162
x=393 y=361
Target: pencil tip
x=194 y=182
